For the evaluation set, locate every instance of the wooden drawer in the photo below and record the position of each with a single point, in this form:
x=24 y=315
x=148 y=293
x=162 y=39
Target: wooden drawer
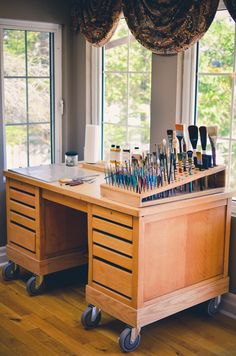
x=113 y=215
x=22 y=209
x=112 y=228
x=22 y=220
x=22 y=212
x=22 y=237
x=113 y=243
x=113 y=257
x=112 y=278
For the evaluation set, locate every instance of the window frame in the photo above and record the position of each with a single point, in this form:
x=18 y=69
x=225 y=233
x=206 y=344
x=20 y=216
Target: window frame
x=189 y=88
x=97 y=78
x=56 y=136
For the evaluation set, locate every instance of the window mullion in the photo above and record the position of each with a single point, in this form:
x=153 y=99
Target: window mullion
x=27 y=95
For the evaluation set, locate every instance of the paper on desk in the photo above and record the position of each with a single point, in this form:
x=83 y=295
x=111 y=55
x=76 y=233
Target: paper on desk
x=54 y=172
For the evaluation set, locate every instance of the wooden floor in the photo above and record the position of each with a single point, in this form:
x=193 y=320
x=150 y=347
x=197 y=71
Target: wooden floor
x=50 y=325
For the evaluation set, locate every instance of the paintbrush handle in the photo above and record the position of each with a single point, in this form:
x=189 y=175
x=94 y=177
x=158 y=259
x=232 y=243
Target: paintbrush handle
x=213 y=149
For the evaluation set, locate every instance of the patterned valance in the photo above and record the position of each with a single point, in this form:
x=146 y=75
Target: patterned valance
x=169 y=26
x=164 y=26
x=231 y=6
x=96 y=19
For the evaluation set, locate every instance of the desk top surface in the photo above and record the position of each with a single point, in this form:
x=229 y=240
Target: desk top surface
x=46 y=177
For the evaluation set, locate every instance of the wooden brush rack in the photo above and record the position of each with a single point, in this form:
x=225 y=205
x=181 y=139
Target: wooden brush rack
x=212 y=179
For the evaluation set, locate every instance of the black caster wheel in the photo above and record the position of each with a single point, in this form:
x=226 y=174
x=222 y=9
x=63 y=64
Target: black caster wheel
x=34 y=288
x=212 y=306
x=91 y=317
x=10 y=271
x=125 y=342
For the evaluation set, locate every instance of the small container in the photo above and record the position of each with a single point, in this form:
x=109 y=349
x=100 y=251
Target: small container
x=136 y=154
x=126 y=156
x=118 y=154
x=113 y=154
x=71 y=158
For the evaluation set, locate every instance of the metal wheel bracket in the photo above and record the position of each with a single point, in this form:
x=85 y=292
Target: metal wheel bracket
x=217 y=301
x=134 y=334
x=15 y=266
x=38 y=281
x=95 y=312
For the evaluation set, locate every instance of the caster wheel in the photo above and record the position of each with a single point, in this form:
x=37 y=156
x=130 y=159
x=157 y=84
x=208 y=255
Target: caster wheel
x=212 y=306
x=10 y=271
x=125 y=341
x=32 y=288
x=88 y=320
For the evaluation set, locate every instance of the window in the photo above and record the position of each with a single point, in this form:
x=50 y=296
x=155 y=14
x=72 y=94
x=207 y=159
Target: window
x=126 y=79
x=29 y=94
x=216 y=82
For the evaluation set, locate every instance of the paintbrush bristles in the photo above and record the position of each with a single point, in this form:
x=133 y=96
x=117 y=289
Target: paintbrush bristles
x=212 y=130
x=179 y=127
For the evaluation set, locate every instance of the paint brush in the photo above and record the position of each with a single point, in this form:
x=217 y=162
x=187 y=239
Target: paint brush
x=193 y=136
x=180 y=135
x=212 y=134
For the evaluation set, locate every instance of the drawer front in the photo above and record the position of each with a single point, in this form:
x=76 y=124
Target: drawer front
x=112 y=278
x=113 y=243
x=112 y=256
x=112 y=215
x=23 y=212
x=22 y=237
x=112 y=228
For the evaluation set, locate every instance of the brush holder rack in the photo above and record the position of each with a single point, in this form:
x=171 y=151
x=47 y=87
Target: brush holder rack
x=185 y=186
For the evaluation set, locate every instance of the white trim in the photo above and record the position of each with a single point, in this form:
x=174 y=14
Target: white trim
x=3 y=255
x=189 y=82
x=28 y=25
x=95 y=85
x=43 y=27
x=228 y=306
x=58 y=94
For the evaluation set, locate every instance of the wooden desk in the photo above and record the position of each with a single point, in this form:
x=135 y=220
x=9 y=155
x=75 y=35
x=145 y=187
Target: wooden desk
x=144 y=263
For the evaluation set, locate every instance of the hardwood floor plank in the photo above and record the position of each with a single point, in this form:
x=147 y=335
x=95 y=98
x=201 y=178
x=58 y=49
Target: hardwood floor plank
x=50 y=325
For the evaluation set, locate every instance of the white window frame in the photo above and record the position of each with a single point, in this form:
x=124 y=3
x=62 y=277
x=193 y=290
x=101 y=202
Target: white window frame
x=189 y=88
x=44 y=27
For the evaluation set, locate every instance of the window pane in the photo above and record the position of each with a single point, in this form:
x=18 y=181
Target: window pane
x=121 y=31
x=16 y=146
x=233 y=167
x=140 y=137
x=39 y=144
x=115 y=110
x=39 y=100
x=234 y=118
x=139 y=99
x=15 y=100
x=38 y=53
x=140 y=57
x=217 y=46
x=14 y=53
x=127 y=91
x=116 y=56
x=113 y=134
x=214 y=102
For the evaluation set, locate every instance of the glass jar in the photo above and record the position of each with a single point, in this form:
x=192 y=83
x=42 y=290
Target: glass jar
x=71 y=158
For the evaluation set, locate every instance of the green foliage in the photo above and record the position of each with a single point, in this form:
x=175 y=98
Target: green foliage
x=19 y=45
x=215 y=82
x=127 y=90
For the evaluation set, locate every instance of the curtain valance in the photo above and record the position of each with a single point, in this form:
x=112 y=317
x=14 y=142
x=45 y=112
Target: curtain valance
x=96 y=19
x=231 y=6
x=164 y=26
x=169 y=26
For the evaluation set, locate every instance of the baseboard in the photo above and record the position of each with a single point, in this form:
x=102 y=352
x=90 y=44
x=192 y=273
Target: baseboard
x=228 y=306
x=3 y=255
